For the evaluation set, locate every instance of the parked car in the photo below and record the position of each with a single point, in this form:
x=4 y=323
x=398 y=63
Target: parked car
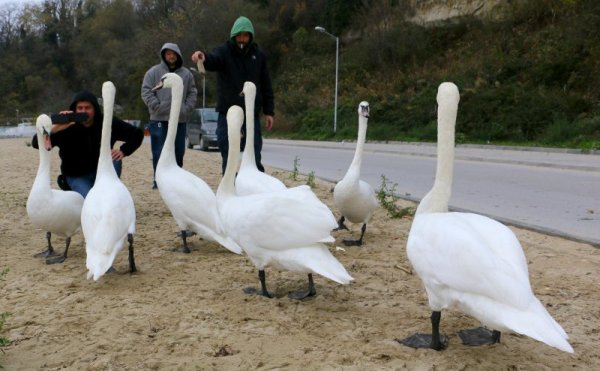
x=202 y=128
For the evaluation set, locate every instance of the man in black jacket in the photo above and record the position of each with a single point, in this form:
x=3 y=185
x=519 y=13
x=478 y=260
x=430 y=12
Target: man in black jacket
x=79 y=143
x=236 y=61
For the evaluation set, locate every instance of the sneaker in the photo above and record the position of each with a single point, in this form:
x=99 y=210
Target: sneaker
x=154 y=186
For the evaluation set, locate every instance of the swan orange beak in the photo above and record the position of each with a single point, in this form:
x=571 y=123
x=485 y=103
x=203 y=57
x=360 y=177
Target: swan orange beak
x=47 y=143
x=158 y=86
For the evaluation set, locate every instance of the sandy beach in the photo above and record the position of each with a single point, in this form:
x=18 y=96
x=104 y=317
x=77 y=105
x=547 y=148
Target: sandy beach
x=188 y=311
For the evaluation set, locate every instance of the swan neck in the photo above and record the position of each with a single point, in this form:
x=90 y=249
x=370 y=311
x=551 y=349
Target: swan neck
x=438 y=198
x=248 y=156
x=105 y=163
x=43 y=172
x=360 y=144
x=167 y=154
x=227 y=186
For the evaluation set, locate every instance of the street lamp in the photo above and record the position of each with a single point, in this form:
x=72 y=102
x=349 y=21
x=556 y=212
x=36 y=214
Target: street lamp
x=337 y=48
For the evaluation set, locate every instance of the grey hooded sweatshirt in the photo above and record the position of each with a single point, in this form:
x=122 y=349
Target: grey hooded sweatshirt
x=159 y=102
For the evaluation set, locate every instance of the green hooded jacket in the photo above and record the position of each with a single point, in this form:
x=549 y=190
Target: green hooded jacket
x=242 y=24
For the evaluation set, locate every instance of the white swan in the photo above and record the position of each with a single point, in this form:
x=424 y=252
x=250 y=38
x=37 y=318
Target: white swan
x=54 y=211
x=249 y=179
x=471 y=262
x=108 y=214
x=280 y=228
x=354 y=198
x=191 y=201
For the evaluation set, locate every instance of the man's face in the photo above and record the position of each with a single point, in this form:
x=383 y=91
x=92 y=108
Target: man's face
x=170 y=57
x=86 y=107
x=242 y=40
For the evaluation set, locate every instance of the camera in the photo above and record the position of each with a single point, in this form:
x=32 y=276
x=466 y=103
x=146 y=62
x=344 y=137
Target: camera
x=59 y=118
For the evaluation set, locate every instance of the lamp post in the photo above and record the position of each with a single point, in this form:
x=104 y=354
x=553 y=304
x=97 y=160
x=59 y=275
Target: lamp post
x=337 y=48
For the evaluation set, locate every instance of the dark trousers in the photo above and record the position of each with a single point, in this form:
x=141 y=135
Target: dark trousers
x=158 y=135
x=224 y=141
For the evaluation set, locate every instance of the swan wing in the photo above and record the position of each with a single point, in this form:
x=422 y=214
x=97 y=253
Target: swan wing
x=278 y=220
x=469 y=253
x=251 y=181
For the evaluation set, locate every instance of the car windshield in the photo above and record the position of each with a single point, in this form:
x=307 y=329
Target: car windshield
x=210 y=115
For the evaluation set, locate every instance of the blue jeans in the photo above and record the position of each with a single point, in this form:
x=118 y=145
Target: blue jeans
x=223 y=140
x=83 y=183
x=158 y=135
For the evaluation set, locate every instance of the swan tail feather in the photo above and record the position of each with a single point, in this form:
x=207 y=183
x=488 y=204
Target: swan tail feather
x=539 y=324
x=318 y=259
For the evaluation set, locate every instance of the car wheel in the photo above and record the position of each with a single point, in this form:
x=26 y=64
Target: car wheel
x=188 y=144
x=203 y=145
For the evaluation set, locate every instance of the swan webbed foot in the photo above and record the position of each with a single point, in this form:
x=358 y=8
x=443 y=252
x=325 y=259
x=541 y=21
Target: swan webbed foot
x=352 y=242
x=183 y=249
x=46 y=253
x=184 y=234
x=424 y=341
x=56 y=259
x=479 y=336
x=62 y=257
x=341 y=224
x=255 y=291
x=263 y=284
x=311 y=291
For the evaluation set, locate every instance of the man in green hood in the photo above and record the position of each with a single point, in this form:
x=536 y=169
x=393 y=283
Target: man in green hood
x=236 y=61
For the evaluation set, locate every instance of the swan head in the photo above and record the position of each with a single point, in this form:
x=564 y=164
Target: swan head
x=169 y=80
x=235 y=119
x=43 y=125
x=249 y=89
x=448 y=93
x=363 y=109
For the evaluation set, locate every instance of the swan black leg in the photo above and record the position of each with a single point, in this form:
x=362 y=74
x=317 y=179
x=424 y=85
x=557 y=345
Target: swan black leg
x=479 y=336
x=433 y=341
x=341 y=224
x=62 y=257
x=131 y=256
x=304 y=294
x=263 y=285
x=50 y=251
x=360 y=240
x=185 y=249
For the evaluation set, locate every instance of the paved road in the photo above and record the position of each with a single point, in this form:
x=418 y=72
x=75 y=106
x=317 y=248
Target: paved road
x=552 y=191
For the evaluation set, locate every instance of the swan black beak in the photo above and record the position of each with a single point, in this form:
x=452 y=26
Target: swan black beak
x=364 y=111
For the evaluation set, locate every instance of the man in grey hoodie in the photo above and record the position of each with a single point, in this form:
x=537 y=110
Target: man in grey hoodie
x=159 y=102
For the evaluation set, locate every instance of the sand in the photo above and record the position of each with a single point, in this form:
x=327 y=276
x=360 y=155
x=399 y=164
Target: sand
x=189 y=312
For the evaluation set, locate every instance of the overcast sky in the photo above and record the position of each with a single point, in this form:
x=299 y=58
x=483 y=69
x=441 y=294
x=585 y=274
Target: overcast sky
x=3 y=2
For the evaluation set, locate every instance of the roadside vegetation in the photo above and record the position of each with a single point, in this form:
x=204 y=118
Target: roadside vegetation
x=528 y=72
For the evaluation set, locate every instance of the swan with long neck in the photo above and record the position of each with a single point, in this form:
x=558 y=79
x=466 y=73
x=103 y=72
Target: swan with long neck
x=284 y=229
x=51 y=210
x=355 y=198
x=191 y=201
x=471 y=262
x=249 y=179
x=108 y=214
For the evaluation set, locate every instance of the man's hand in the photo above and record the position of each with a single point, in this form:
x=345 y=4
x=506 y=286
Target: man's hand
x=197 y=56
x=117 y=154
x=268 y=122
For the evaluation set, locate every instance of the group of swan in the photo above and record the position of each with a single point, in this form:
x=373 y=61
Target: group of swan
x=471 y=262
x=465 y=261
x=51 y=210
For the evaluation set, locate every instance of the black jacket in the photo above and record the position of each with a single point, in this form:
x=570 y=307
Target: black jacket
x=79 y=146
x=235 y=67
